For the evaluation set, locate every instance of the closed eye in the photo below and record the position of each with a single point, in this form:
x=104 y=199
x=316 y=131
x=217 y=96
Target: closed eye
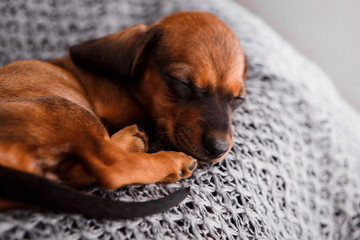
x=179 y=88
x=236 y=101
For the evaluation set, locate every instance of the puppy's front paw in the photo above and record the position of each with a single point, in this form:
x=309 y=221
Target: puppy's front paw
x=178 y=166
x=131 y=139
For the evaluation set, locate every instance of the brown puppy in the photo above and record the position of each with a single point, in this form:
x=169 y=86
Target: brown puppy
x=186 y=73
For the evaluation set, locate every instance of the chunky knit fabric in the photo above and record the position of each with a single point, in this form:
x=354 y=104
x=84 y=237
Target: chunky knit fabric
x=292 y=173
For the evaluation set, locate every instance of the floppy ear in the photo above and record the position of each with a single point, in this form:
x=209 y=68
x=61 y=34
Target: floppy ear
x=115 y=54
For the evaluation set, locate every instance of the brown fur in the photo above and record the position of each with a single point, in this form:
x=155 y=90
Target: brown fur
x=186 y=72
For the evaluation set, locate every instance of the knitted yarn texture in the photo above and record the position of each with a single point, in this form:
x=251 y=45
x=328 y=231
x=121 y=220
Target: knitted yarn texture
x=293 y=170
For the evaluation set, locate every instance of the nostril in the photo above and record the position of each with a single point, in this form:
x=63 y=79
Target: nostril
x=215 y=148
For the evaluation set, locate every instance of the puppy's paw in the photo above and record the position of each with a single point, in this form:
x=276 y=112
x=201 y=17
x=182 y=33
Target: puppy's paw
x=131 y=139
x=179 y=166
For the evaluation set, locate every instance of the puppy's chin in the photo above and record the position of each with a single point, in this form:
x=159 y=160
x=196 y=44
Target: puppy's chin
x=216 y=160
x=198 y=153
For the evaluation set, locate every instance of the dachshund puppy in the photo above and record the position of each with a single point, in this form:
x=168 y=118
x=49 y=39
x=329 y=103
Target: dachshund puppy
x=73 y=119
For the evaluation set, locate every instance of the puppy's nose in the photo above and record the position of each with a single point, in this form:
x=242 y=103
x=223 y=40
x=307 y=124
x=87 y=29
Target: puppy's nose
x=215 y=147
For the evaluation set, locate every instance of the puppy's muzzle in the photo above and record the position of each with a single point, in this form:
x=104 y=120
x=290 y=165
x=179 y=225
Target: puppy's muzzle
x=215 y=147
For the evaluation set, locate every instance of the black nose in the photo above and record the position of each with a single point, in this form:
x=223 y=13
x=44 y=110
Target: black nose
x=215 y=148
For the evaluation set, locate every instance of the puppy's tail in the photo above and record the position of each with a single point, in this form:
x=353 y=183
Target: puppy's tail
x=27 y=188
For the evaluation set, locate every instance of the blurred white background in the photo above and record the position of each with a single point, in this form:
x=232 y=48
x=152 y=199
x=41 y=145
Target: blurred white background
x=326 y=31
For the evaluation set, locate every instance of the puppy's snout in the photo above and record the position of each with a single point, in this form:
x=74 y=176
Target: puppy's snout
x=215 y=147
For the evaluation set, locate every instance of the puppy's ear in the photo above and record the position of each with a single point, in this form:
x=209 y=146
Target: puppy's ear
x=115 y=54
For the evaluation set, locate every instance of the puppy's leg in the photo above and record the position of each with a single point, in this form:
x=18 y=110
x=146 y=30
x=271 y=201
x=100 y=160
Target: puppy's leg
x=57 y=129
x=16 y=156
x=126 y=161
x=113 y=168
x=131 y=139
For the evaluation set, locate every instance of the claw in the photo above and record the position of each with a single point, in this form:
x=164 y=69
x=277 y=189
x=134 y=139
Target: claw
x=192 y=166
x=139 y=128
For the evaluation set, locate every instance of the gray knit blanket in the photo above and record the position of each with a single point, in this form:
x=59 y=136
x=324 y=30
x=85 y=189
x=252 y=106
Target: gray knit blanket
x=293 y=172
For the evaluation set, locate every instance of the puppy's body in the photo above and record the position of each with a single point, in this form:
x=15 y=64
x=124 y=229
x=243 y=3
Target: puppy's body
x=185 y=73
x=57 y=124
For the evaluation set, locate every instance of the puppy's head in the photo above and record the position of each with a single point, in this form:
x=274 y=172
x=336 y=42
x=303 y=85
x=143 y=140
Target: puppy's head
x=187 y=70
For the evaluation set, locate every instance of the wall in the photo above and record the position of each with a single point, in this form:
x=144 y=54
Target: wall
x=326 y=31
